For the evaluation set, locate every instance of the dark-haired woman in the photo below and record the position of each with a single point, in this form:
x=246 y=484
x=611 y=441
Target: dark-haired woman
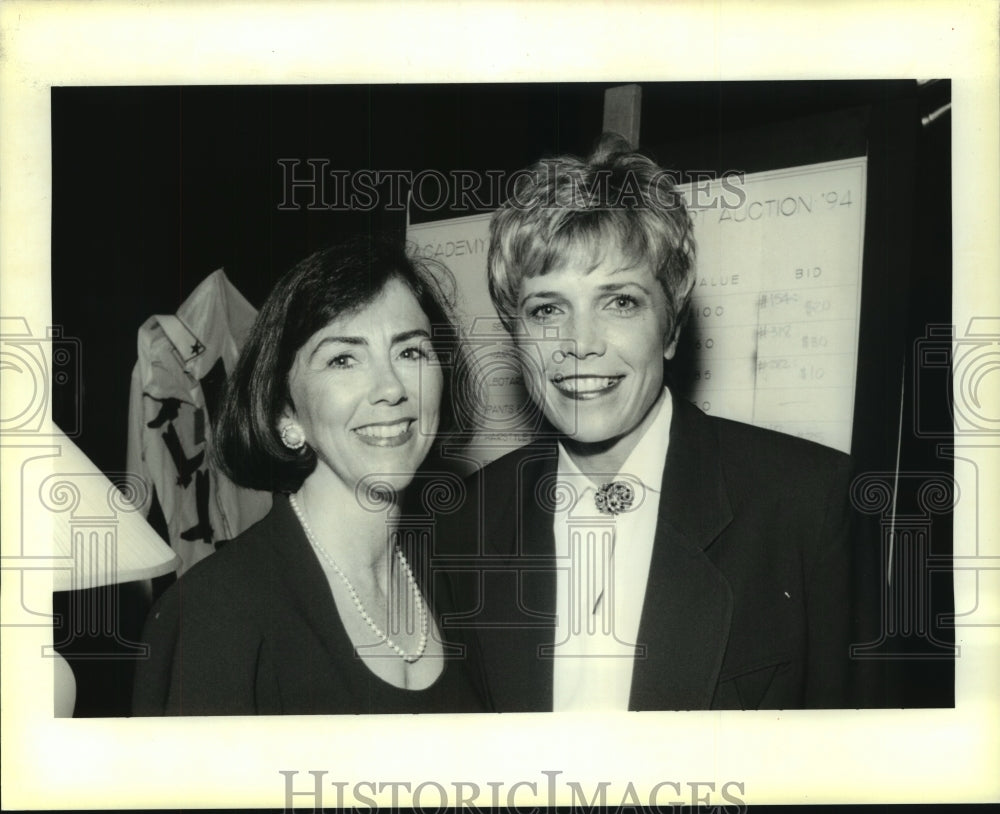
x=335 y=402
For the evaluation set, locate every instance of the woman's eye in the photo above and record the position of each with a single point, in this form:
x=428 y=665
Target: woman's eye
x=344 y=360
x=624 y=302
x=540 y=313
x=415 y=353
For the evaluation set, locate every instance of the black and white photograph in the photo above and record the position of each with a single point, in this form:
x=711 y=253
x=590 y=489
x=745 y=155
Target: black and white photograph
x=502 y=413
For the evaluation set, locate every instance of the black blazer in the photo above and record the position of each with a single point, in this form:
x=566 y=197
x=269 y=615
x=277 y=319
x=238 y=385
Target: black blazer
x=749 y=597
x=254 y=630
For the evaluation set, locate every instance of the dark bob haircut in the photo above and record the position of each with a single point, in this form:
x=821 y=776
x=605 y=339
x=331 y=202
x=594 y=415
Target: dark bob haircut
x=333 y=282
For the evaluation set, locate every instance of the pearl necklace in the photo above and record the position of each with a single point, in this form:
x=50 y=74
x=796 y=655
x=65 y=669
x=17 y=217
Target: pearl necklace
x=418 y=600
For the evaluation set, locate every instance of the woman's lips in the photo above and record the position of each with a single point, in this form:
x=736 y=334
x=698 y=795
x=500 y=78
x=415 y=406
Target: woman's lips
x=392 y=434
x=585 y=387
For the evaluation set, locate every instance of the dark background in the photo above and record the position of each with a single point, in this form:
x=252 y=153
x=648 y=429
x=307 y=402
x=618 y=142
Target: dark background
x=155 y=187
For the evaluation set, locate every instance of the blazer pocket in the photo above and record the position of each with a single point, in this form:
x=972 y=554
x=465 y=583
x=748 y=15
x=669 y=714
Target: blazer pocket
x=749 y=688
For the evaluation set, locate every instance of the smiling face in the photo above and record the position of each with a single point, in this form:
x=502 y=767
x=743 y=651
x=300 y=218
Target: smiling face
x=599 y=378
x=367 y=389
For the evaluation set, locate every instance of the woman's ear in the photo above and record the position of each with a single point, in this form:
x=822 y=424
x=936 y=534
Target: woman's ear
x=670 y=344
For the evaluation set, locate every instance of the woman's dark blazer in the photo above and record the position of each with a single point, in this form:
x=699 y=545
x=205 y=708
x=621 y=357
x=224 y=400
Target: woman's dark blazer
x=749 y=602
x=254 y=629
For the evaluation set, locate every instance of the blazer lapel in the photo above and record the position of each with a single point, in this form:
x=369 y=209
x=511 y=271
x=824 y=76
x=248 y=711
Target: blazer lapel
x=688 y=605
x=521 y=645
x=304 y=581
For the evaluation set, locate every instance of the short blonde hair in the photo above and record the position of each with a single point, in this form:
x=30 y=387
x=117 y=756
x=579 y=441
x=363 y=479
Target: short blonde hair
x=616 y=195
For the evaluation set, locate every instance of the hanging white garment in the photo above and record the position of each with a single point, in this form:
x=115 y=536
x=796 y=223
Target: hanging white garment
x=176 y=391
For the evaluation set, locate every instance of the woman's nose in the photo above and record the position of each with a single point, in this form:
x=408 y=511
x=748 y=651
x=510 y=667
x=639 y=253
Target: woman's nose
x=387 y=386
x=583 y=337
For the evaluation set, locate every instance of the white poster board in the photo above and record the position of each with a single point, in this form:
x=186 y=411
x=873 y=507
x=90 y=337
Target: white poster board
x=776 y=306
x=500 y=408
x=774 y=313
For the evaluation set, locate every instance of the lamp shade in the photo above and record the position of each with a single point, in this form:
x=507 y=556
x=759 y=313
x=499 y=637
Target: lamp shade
x=97 y=530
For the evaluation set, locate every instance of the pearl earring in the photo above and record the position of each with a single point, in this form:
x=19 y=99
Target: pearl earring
x=292 y=435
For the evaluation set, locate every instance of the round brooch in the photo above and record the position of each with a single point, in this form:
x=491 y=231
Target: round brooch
x=614 y=498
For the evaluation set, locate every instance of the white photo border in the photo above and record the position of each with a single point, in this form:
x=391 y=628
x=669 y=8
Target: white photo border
x=772 y=757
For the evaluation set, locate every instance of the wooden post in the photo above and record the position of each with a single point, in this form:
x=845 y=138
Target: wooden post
x=622 y=111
